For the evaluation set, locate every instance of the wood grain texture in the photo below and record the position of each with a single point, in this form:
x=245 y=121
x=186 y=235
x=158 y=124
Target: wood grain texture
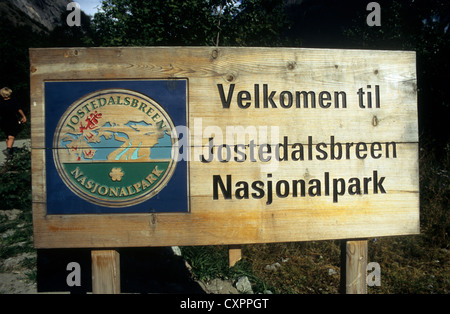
x=105 y=272
x=353 y=266
x=251 y=220
x=234 y=254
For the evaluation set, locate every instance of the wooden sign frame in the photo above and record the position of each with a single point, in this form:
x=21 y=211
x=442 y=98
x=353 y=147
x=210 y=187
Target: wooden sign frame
x=365 y=101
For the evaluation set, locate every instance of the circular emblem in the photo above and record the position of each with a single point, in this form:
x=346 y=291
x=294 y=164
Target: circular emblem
x=115 y=148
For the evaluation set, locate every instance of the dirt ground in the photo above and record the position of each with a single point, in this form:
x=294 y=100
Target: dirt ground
x=11 y=283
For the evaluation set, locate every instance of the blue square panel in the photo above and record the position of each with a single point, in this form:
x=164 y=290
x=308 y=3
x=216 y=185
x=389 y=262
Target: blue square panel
x=112 y=146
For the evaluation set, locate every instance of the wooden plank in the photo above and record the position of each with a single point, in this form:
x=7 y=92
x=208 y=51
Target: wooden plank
x=139 y=230
x=105 y=272
x=313 y=70
x=353 y=266
x=372 y=151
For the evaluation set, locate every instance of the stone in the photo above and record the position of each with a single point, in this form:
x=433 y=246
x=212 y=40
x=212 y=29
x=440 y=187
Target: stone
x=218 y=286
x=243 y=285
x=46 y=12
x=11 y=214
x=176 y=250
x=272 y=267
x=331 y=272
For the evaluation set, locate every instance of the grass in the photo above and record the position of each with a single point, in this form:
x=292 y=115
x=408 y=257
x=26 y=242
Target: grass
x=210 y=262
x=15 y=182
x=409 y=264
x=304 y=267
x=16 y=239
x=17 y=234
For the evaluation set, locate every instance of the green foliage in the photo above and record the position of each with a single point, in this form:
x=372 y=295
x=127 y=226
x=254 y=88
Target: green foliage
x=190 y=22
x=207 y=262
x=14 y=64
x=22 y=236
x=435 y=193
x=15 y=181
x=15 y=193
x=158 y=22
x=210 y=262
x=257 y=23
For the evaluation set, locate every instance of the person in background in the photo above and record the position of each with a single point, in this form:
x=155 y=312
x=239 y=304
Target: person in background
x=11 y=116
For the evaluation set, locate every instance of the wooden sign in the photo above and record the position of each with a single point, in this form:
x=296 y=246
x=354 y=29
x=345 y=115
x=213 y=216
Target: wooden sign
x=205 y=146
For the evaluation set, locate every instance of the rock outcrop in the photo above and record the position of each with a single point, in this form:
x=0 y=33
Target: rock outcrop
x=41 y=15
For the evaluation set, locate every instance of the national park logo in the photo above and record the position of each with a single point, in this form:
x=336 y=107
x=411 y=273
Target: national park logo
x=114 y=148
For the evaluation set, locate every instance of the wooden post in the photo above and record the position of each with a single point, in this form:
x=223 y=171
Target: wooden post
x=105 y=272
x=353 y=267
x=234 y=254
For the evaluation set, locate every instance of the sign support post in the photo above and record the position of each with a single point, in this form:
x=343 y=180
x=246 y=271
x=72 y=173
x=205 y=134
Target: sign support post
x=105 y=272
x=234 y=254
x=353 y=266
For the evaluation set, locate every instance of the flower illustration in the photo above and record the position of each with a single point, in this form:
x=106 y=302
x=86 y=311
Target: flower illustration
x=116 y=174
